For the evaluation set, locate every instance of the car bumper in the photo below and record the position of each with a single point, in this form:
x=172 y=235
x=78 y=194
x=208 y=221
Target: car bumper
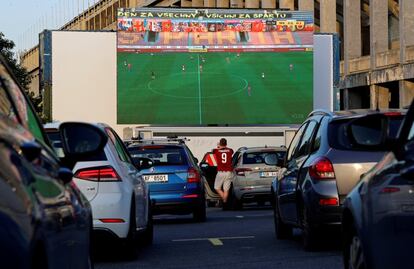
x=178 y=203
x=252 y=193
x=325 y=215
x=111 y=206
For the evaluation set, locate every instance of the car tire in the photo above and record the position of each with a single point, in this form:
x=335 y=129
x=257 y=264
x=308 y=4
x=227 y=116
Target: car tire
x=282 y=230
x=130 y=245
x=200 y=214
x=354 y=253
x=147 y=236
x=236 y=203
x=309 y=233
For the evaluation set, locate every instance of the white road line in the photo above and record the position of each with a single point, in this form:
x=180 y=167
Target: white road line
x=208 y=239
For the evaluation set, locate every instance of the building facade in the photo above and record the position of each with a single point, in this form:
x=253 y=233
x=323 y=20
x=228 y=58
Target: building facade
x=377 y=41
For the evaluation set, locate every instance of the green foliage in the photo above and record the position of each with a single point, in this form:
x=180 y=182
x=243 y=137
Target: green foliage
x=6 y=49
x=21 y=74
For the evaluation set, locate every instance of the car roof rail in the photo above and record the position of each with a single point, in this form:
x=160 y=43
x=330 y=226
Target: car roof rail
x=152 y=141
x=322 y=112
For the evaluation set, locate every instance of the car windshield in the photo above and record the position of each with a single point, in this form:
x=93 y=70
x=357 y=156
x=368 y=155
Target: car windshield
x=259 y=157
x=338 y=138
x=160 y=155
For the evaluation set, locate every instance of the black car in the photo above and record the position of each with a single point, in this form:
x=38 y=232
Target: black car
x=378 y=215
x=45 y=222
x=321 y=167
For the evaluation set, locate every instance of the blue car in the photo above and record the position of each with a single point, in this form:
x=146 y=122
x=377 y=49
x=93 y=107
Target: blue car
x=175 y=181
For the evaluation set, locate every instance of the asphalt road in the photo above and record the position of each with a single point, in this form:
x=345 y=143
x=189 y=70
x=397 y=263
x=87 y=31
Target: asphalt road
x=229 y=239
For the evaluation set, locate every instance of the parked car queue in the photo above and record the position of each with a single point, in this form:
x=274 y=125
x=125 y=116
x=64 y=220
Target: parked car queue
x=354 y=171
x=47 y=219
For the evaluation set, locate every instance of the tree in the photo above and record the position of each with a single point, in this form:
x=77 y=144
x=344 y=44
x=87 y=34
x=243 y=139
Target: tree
x=22 y=76
x=6 y=49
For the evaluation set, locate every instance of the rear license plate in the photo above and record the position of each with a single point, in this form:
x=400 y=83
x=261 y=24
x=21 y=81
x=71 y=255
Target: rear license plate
x=268 y=174
x=156 y=178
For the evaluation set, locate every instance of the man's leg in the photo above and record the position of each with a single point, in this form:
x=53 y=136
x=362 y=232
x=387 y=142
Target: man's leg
x=226 y=186
x=225 y=196
x=218 y=184
x=220 y=193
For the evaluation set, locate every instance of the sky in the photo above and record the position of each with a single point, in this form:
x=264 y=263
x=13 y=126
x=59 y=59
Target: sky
x=22 y=20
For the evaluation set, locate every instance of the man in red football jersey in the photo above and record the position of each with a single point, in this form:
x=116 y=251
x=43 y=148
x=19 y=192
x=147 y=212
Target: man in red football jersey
x=223 y=156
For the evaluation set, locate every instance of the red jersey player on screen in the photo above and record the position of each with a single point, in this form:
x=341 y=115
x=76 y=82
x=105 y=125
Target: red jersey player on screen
x=223 y=156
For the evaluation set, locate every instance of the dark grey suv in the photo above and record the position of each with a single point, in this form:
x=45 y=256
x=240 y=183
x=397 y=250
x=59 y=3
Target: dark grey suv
x=321 y=167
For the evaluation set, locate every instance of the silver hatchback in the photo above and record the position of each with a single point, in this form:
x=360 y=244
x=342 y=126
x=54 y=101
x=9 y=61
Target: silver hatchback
x=253 y=177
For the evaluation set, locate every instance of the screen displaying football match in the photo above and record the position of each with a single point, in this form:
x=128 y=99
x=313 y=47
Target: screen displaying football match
x=214 y=67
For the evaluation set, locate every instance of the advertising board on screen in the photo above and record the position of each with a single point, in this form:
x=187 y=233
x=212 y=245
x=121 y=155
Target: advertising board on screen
x=212 y=66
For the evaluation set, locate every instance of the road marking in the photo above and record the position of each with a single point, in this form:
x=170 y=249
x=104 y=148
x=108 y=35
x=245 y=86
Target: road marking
x=239 y=217
x=216 y=241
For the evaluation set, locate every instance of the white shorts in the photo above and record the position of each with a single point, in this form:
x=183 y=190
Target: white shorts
x=223 y=180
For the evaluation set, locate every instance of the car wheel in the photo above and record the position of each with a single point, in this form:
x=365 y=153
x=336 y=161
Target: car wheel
x=148 y=234
x=131 y=240
x=309 y=233
x=356 y=258
x=200 y=214
x=282 y=230
x=235 y=203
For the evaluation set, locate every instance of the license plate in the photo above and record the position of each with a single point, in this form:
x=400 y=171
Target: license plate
x=156 y=178
x=268 y=174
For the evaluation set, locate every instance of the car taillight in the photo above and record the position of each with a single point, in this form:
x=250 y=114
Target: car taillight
x=193 y=176
x=105 y=173
x=328 y=201
x=112 y=220
x=242 y=171
x=322 y=168
x=390 y=190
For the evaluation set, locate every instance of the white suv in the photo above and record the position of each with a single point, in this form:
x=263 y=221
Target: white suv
x=118 y=195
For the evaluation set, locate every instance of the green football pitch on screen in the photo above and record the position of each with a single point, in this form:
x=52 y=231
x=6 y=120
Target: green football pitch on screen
x=214 y=88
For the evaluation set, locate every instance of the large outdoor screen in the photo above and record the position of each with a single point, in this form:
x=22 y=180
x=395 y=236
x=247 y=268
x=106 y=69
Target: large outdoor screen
x=211 y=66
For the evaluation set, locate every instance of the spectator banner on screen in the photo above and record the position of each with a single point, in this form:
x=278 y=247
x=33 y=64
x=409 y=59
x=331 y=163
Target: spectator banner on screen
x=213 y=66
x=152 y=30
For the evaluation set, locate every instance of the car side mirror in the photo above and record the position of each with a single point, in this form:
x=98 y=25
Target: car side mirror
x=80 y=140
x=31 y=150
x=369 y=132
x=65 y=175
x=204 y=165
x=143 y=163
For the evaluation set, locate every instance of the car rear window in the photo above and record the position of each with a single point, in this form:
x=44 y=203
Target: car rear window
x=259 y=157
x=160 y=155
x=338 y=138
x=56 y=142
